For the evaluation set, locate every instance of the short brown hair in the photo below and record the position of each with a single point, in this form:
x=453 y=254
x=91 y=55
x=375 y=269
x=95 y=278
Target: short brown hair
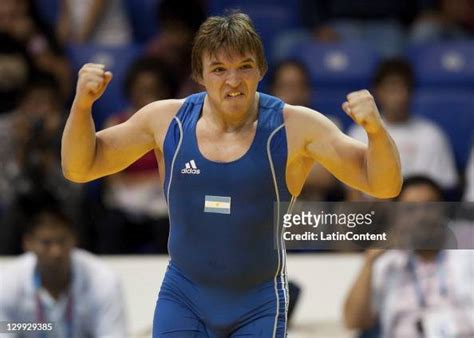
x=232 y=33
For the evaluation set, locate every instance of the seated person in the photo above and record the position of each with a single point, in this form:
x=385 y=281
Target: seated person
x=54 y=282
x=415 y=293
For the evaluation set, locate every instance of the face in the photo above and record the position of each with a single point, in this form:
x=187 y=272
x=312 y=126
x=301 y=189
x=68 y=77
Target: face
x=421 y=219
x=419 y=193
x=231 y=81
x=291 y=86
x=393 y=95
x=52 y=245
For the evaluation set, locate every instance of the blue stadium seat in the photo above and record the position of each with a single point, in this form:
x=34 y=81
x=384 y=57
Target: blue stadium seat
x=453 y=111
x=443 y=65
x=117 y=60
x=143 y=16
x=329 y=102
x=345 y=65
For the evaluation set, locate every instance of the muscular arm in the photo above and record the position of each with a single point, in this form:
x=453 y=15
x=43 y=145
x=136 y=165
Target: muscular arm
x=373 y=168
x=87 y=155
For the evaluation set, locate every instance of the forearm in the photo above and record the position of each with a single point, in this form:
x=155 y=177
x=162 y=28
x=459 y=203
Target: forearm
x=78 y=145
x=357 y=308
x=383 y=165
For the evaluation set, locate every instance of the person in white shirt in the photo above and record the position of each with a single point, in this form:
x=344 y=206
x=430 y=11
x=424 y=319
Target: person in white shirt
x=415 y=293
x=424 y=148
x=56 y=283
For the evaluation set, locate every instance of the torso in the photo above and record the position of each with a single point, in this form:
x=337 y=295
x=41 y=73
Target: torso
x=228 y=147
x=245 y=169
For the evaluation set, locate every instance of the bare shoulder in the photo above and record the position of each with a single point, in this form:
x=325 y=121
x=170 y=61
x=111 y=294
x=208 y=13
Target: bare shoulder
x=162 y=112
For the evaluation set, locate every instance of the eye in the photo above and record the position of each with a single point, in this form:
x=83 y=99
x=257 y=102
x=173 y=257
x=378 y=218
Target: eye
x=247 y=66
x=218 y=70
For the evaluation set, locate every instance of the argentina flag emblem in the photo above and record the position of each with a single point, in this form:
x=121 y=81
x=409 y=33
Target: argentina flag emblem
x=217 y=204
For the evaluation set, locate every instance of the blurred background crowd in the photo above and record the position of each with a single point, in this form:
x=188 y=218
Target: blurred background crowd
x=416 y=57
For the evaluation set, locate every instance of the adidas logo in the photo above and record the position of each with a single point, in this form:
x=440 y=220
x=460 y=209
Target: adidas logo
x=190 y=168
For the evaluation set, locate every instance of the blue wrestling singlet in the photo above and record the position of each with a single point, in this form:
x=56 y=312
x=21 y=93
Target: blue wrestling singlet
x=227 y=274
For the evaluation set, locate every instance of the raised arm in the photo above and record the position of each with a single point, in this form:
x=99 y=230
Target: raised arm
x=87 y=155
x=373 y=168
x=358 y=312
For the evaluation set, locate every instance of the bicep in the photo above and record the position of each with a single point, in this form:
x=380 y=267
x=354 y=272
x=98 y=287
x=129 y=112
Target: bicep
x=342 y=155
x=119 y=146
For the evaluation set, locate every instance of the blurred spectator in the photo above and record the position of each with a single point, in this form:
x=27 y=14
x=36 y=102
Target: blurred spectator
x=135 y=195
x=56 y=283
x=423 y=147
x=20 y=19
x=101 y=22
x=32 y=163
x=16 y=68
x=469 y=191
x=178 y=21
x=449 y=20
x=289 y=81
x=420 y=293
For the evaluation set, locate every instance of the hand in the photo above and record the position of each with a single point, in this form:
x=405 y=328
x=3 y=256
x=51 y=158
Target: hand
x=91 y=84
x=361 y=107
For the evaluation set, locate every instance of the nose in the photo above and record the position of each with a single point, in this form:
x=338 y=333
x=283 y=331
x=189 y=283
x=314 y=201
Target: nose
x=233 y=79
x=56 y=251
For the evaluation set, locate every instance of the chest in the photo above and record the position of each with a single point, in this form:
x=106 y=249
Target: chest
x=222 y=146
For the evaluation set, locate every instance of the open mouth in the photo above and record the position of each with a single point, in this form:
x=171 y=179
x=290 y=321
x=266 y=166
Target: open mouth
x=234 y=94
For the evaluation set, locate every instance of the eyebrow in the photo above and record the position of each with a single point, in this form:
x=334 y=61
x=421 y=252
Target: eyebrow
x=217 y=63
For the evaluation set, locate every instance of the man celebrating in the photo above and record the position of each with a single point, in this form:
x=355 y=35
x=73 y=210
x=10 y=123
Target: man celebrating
x=246 y=150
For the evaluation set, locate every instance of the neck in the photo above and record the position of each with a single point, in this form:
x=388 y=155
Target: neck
x=395 y=117
x=55 y=282
x=427 y=255
x=230 y=122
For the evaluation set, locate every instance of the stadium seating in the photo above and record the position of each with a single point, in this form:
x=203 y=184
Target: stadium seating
x=443 y=65
x=338 y=65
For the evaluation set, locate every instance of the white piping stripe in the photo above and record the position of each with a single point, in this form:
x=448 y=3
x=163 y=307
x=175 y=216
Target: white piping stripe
x=287 y=302
x=277 y=227
x=174 y=158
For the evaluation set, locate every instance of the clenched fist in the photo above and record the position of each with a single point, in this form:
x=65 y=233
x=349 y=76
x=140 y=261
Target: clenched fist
x=91 y=84
x=361 y=107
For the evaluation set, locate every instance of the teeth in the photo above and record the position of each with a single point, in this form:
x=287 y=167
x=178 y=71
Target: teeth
x=234 y=94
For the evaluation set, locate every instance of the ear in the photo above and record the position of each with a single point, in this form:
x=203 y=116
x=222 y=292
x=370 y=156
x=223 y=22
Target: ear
x=200 y=81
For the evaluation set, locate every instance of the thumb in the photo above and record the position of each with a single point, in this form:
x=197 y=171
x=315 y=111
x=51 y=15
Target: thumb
x=108 y=77
x=347 y=109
